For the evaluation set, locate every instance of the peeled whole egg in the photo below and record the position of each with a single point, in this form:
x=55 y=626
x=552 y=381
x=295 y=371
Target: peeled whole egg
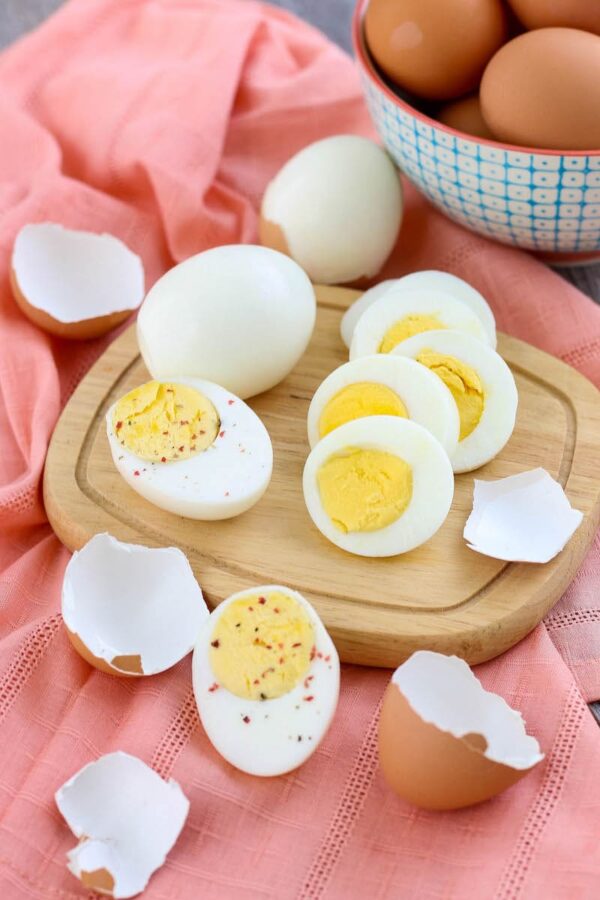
x=336 y=208
x=266 y=679
x=542 y=89
x=190 y=447
x=434 y=50
x=238 y=315
x=582 y=14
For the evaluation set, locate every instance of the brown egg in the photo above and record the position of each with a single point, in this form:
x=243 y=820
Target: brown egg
x=465 y=115
x=542 y=90
x=583 y=14
x=444 y=742
x=434 y=50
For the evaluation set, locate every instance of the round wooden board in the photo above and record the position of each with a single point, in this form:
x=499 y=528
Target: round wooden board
x=441 y=596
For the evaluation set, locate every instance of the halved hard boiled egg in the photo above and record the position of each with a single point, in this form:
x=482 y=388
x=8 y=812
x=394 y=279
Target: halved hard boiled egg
x=190 y=447
x=266 y=679
x=431 y=280
x=483 y=388
x=400 y=313
x=378 y=386
x=378 y=486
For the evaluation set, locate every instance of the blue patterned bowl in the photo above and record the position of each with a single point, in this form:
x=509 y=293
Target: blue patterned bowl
x=542 y=200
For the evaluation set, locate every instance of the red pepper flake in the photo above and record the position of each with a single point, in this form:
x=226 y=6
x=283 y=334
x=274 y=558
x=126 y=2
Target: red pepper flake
x=319 y=655
x=246 y=719
x=256 y=681
x=137 y=472
x=214 y=687
x=307 y=681
x=297 y=644
x=275 y=610
x=328 y=657
x=118 y=425
x=230 y=402
x=309 y=699
x=313 y=653
x=163 y=459
x=221 y=434
x=181 y=449
x=262 y=600
x=216 y=643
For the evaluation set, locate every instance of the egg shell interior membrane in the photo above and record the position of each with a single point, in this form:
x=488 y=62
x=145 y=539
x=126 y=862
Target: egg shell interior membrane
x=139 y=609
x=127 y=819
x=444 y=692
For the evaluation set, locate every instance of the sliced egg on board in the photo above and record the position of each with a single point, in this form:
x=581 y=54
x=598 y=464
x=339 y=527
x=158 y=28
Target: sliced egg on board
x=191 y=448
x=378 y=486
x=75 y=284
x=432 y=280
x=444 y=741
x=129 y=609
x=399 y=314
x=266 y=679
x=482 y=385
x=376 y=386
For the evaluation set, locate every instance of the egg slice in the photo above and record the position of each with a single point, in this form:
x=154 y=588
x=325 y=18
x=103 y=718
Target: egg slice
x=378 y=486
x=432 y=280
x=376 y=386
x=483 y=388
x=266 y=679
x=402 y=313
x=190 y=447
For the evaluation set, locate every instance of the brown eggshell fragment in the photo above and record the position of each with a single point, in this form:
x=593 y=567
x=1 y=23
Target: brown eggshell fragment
x=582 y=14
x=542 y=90
x=465 y=115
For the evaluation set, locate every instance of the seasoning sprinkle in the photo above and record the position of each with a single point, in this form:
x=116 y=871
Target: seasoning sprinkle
x=246 y=719
x=215 y=643
x=214 y=686
x=309 y=699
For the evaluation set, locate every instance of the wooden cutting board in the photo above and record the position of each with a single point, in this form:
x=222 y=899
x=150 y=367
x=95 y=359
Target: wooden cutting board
x=441 y=596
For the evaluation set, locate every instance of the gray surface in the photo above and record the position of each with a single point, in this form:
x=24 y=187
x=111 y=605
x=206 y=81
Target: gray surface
x=333 y=17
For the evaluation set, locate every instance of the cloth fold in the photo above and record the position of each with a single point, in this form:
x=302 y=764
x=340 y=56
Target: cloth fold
x=161 y=121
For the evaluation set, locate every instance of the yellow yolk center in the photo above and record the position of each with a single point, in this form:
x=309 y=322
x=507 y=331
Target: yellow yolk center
x=262 y=646
x=406 y=327
x=465 y=386
x=358 y=400
x=161 y=422
x=364 y=490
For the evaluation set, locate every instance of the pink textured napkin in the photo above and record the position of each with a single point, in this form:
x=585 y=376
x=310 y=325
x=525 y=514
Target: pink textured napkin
x=162 y=122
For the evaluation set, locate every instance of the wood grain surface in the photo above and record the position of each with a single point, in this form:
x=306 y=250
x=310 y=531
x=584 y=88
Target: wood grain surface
x=442 y=596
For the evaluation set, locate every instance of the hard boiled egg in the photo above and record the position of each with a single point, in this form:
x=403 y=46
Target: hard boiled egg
x=238 y=315
x=266 y=679
x=378 y=386
x=401 y=313
x=190 y=447
x=482 y=386
x=431 y=280
x=378 y=486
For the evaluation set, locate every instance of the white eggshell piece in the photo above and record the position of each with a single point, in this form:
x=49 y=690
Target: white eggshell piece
x=444 y=692
x=432 y=484
x=522 y=518
x=238 y=315
x=500 y=393
x=338 y=203
x=126 y=599
x=223 y=481
x=430 y=279
x=268 y=744
x=126 y=817
x=76 y=275
x=426 y=398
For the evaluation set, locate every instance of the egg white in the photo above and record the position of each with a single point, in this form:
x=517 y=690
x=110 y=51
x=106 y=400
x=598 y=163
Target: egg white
x=425 y=403
x=268 y=744
x=432 y=489
x=500 y=393
x=223 y=481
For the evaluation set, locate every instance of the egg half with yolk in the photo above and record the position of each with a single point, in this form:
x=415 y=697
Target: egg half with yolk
x=377 y=385
x=266 y=679
x=483 y=388
x=190 y=447
x=400 y=314
x=378 y=486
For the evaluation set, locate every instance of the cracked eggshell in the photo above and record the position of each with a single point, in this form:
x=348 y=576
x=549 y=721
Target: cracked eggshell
x=127 y=820
x=131 y=610
x=74 y=284
x=444 y=741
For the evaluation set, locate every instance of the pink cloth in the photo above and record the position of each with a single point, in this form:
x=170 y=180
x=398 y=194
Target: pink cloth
x=162 y=122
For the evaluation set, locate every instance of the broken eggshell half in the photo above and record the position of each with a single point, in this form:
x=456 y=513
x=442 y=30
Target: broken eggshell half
x=131 y=610
x=126 y=818
x=74 y=284
x=444 y=741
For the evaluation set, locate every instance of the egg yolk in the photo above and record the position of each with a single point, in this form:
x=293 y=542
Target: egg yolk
x=162 y=422
x=262 y=646
x=358 y=400
x=364 y=490
x=465 y=386
x=406 y=327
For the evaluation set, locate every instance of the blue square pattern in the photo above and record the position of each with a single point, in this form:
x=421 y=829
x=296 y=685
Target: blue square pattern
x=529 y=200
